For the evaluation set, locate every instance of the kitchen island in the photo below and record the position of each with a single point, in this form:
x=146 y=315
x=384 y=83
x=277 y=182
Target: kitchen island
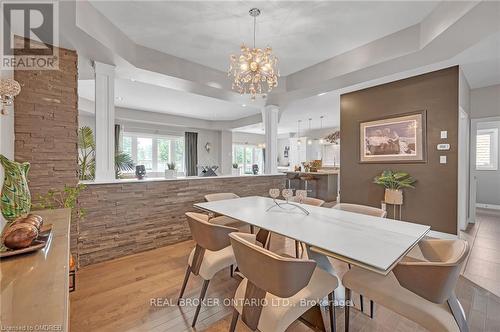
x=321 y=184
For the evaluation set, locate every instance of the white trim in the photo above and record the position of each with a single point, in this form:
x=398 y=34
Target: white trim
x=488 y=206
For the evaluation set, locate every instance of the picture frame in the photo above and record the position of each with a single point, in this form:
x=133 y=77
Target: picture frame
x=398 y=138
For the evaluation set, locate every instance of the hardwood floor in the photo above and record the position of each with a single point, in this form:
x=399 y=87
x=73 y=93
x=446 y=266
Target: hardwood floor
x=117 y=295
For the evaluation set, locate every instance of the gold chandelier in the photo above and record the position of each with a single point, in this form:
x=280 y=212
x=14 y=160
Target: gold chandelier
x=9 y=88
x=255 y=70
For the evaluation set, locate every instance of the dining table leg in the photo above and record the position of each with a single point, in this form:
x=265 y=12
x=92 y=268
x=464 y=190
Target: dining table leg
x=325 y=264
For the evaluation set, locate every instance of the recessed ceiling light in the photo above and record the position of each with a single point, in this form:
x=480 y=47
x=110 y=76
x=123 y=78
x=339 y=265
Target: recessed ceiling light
x=133 y=79
x=119 y=98
x=243 y=105
x=321 y=94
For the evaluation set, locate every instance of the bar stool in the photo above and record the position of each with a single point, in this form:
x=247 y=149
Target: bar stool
x=421 y=290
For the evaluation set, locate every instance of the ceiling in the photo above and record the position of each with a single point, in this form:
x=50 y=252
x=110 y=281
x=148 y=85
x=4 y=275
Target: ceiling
x=154 y=98
x=301 y=33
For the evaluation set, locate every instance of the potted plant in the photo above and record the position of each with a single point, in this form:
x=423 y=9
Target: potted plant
x=170 y=172
x=394 y=182
x=236 y=169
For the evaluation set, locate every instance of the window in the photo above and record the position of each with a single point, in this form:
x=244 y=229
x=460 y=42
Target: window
x=487 y=149
x=246 y=156
x=155 y=151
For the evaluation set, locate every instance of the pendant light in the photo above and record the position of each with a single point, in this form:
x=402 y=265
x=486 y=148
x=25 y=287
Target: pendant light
x=321 y=140
x=309 y=141
x=298 y=132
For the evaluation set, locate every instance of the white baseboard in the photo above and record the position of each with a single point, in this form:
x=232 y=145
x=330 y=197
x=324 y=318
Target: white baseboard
x=488 y=206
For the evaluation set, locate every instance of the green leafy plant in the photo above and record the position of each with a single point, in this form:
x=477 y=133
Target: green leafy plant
x=395 y=180
x=171 y=166
x=235 y=166
x=86 y=156
x=66 y=198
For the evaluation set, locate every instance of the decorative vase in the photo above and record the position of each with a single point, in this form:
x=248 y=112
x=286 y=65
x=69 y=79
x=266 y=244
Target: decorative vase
x=15 y=198
x=170 y=174
x=393 y=196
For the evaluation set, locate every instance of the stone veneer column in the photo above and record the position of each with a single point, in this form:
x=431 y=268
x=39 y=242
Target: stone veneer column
x=226 y=152
x=104 y=121
x=270 y=116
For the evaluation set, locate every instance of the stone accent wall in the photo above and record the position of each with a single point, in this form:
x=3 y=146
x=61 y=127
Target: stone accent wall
x=46 y=124
x=128 y=218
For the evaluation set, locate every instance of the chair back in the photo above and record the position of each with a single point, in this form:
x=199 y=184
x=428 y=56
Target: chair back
x=435 y=277
x=267 y=272
x=362 y=209
x=220 y=196
x=309 y=201
x=207 y=235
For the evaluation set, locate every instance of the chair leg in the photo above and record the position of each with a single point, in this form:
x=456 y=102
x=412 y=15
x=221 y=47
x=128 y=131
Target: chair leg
x=202 y=296
x=346 y=309
x=297 y=249
x=361 y=303
x=184 y=283
x=349 y=265
x=268 y=245
x=234 y=320
x=372 y=307
x=231 y=270
x=331 y=309
x=251 y=229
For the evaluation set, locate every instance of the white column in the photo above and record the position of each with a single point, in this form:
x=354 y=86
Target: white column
x=104 y=121
x=226 y=152
x=270 y=116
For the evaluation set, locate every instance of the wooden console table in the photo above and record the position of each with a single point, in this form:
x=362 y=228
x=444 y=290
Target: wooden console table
x=34 y=286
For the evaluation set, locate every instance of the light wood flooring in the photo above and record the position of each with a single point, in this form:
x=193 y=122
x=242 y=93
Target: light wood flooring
x=117 y=295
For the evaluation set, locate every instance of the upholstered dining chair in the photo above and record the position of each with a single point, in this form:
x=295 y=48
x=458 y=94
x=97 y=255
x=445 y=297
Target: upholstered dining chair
x=370 y=211
x=308 y=201
x=277 y=290
x=223 y=220
x=421 y=290
x=212 y=253
x=362 y=209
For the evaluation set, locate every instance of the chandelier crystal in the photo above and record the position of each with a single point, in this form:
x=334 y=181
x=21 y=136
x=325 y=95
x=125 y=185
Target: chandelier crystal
x=9 y=88
x=255 y=70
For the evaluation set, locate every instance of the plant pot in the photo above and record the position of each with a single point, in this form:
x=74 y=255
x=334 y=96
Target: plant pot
x=235 y=171
x=170 y=174
x=393 y=196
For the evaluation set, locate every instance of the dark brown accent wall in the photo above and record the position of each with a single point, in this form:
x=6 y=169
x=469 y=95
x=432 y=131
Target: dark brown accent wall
x=127 y=218
x=434 y=200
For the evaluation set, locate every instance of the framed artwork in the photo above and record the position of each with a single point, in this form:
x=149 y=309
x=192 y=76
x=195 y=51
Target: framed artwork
x=395 y=139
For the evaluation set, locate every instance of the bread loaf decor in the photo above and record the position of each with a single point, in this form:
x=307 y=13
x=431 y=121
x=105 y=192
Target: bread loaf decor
x=15 y=197
x=19 y=236
x=27 y=233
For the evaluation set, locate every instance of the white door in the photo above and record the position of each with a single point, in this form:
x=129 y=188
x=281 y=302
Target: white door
x=463 y=168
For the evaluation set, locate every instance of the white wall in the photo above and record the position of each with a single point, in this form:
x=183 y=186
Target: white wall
x=485 y=107
x=248 y=138
x=485 y=102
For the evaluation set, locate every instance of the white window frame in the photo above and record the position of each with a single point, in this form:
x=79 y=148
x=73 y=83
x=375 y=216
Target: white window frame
x=254 y=158
x=493 y=134
x=154 y=146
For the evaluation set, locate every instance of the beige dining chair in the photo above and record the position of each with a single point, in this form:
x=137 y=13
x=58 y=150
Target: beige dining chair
x=362 y=209
x=308 y=201
x=223 y=220
x=370 y=211
x=212 y=253
x=421 y=290
x=277 y=290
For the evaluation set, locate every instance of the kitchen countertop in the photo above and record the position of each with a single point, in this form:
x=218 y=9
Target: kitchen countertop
x=329 y=172
x=34 y=286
